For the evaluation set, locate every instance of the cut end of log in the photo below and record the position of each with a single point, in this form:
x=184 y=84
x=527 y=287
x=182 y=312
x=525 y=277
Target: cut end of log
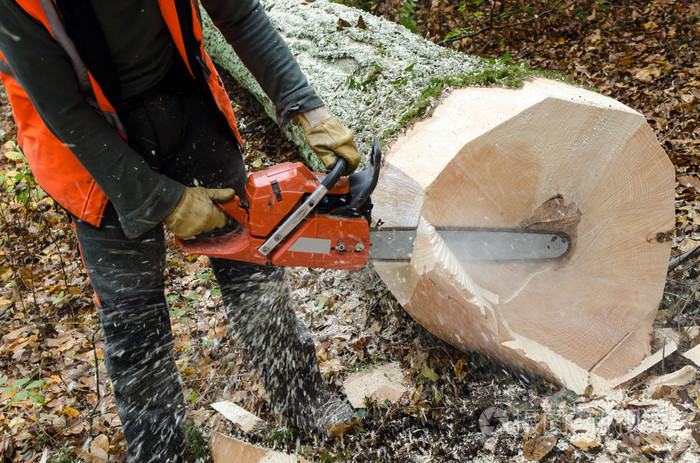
x=547 y=156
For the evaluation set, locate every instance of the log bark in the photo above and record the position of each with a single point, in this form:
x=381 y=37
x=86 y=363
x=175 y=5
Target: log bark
x=547 y=155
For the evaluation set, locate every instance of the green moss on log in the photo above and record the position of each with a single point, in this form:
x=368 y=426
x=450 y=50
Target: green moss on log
x=377 y=79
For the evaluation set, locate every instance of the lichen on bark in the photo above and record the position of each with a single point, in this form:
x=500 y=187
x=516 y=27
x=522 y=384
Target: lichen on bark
x=374 y=75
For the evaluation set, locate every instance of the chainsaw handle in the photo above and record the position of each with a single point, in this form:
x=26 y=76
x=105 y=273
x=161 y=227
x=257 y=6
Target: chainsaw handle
x=335 y=173
x=234 y=208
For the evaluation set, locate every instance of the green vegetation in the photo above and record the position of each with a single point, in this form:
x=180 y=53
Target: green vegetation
x=198 y=443
x=21 y=389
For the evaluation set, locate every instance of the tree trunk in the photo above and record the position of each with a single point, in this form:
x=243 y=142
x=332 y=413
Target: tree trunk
x=548 y=155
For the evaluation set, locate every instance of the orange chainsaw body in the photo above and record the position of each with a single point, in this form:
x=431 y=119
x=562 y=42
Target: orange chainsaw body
x=321 y=240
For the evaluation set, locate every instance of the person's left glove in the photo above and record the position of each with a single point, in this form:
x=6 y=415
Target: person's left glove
x=196 y=212
x=328 y=138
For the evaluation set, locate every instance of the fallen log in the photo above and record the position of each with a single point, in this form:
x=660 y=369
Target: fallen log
x=547 y=155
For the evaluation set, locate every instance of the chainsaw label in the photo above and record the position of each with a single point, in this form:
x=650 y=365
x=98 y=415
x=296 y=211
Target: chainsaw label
x=312 y=245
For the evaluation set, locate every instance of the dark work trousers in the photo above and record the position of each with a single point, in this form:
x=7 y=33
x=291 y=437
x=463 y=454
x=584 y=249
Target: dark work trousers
x=179 y=131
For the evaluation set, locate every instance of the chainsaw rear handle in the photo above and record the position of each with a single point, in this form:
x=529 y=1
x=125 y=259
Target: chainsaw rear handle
x=362 y=183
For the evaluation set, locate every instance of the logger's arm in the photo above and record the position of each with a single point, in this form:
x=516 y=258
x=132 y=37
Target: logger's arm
x=262 y=50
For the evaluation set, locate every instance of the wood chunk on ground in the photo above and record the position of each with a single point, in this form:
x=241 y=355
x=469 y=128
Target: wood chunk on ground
x=693 y=355
x=238 y=415
x=381 y=383
x=647 y=363
x=226 y=449
x=685 y=375
x=548 y=317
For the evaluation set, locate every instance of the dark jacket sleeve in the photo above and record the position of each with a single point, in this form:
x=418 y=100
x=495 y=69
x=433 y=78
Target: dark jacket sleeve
x=141 y=196
x=262 y=50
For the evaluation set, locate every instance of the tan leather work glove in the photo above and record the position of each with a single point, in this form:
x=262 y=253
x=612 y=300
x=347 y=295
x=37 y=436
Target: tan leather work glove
x=196 y=212
x=328 y=138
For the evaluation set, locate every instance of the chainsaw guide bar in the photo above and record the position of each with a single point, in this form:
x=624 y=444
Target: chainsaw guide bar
x=475 y=245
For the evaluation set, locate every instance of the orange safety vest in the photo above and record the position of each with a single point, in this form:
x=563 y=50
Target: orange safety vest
x=55 y=167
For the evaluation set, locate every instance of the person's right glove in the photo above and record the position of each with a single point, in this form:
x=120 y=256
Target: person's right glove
x=328 y=138
x=196 y=212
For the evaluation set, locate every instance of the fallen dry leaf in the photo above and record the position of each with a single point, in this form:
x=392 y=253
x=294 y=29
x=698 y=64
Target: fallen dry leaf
x=339 y=429
x=586 y=445
x=678 y=449
x=633 y=440
x=695 y=434
x=661 y=391
x=690 y=181
x=537 y=430
x=536 y=449
x=655 y=439
x=90 y=457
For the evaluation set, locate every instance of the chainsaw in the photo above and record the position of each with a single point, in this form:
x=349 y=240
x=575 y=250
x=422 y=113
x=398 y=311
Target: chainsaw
x=291 y=216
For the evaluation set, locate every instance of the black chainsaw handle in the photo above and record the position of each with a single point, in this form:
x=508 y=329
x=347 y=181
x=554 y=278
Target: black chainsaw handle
x=363 y=183
x=335 y=173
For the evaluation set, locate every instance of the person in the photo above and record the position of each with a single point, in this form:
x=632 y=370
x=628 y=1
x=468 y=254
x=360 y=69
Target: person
x=125 y=123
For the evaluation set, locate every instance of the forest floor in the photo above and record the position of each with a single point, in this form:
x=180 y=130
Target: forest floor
x=55 y=396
